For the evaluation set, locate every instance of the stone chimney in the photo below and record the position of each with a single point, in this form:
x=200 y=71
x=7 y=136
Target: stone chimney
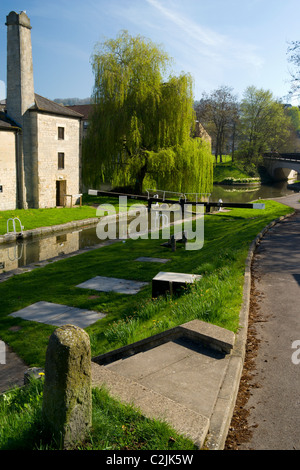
x=20 y=86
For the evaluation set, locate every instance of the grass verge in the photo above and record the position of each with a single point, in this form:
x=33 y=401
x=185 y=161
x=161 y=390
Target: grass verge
x=216 y=298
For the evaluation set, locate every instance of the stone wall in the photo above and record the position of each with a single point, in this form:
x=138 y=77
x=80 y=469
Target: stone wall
x=8 y=172
x=201 y=132
x=48 y=147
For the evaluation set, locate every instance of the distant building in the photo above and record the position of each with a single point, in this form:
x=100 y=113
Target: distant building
x=40 y=141
x=85 y=110
x=201 y=132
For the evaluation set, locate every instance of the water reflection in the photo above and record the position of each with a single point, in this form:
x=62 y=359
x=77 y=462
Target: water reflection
x=249 y=193
x=30 y=251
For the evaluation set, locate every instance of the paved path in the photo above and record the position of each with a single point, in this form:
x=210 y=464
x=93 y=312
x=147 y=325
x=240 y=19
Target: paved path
x=275 y=405
x=12 y=372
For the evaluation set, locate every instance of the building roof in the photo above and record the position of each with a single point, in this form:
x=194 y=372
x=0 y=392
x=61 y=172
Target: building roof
x=44 y=105
x=84 y=109
x=47 y=106
x=41 y=105
x=6 y=123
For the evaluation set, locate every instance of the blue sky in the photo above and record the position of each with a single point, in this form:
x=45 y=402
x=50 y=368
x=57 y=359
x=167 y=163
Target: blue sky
x=219 y=42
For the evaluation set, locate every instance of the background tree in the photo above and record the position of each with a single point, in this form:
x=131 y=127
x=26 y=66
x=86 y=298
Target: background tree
x=218 y=113
x=142 y=121
x=292 y=144
x=293 y=54
x=264 y=126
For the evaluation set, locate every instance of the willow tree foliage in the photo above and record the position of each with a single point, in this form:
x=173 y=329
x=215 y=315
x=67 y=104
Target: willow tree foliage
x=140 y=129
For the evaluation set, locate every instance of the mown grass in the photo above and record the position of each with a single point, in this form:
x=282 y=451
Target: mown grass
x=222 y=171
x=216 y=298
x=115 y=426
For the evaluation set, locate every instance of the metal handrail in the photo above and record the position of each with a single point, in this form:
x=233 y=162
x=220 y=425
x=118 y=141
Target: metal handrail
x=179 y=195
x=14 y=225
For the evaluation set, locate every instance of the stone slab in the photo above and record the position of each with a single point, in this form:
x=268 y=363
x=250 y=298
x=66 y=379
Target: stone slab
x=111 y=284
x=152 y=260
x=172 y=283
x=176 y=277
x=210 y=335
x=58 y=315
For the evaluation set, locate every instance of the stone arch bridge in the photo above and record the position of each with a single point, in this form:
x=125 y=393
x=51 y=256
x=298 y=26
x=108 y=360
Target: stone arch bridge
x=282 y=166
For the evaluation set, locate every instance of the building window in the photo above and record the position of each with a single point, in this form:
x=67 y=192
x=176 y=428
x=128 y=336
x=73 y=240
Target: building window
x=61 y=133
x=61 y=161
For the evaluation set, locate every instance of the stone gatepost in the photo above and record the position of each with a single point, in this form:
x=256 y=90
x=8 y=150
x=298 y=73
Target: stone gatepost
x=67 y=401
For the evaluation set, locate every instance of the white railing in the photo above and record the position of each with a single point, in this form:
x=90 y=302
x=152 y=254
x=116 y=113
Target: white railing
x=160 y=193
x=14 y=225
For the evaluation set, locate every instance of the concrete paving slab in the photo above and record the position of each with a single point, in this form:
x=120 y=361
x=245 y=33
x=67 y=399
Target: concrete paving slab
x=177 y=376
x=58 y=315
x=172 y=283
x=152 y=404
x=152 y=260
x=183 y=370
x=111 y=284
x=176 y=277
x=149 y=362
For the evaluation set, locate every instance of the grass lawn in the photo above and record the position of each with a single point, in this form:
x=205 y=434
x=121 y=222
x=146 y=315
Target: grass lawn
x=35 y=218
x=228 y=170
x=216 y=298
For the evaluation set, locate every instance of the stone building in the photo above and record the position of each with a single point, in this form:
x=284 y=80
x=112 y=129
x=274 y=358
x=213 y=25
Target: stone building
x=40 y=140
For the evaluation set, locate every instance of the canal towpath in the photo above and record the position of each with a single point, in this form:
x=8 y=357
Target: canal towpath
x=273 y=406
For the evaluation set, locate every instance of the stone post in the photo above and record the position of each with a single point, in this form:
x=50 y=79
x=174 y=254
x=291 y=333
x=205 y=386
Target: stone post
x=67 y=401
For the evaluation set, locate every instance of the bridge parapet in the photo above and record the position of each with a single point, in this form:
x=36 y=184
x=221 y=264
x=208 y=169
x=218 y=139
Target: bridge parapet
x=282 y=166
x=282 y=156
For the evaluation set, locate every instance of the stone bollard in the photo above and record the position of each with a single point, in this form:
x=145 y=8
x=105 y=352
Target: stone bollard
x=67 y=400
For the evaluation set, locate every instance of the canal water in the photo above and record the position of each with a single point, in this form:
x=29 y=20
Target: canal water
x=242 y=193
x=29 y=251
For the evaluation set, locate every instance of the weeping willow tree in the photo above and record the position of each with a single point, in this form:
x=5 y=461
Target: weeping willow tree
x=141 y=126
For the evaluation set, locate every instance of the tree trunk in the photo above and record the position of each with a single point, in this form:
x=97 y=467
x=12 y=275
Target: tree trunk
x=138 y=188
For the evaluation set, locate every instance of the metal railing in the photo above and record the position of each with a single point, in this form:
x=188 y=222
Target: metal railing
x=162 y=194
x=14 y=225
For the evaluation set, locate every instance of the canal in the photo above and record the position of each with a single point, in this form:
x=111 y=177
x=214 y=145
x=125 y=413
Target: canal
x=247 y=193
x=36 y=250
